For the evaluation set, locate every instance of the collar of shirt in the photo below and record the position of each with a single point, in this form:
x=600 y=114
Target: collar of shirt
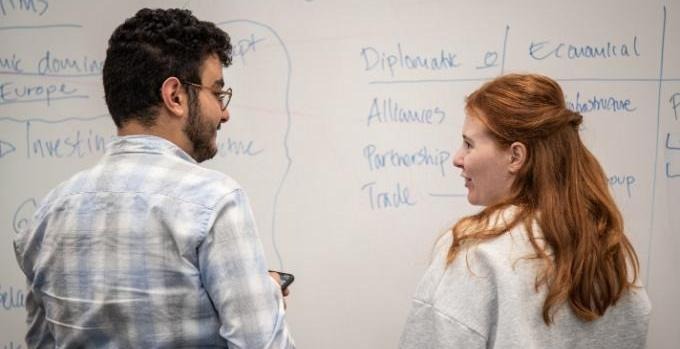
x=146 y=144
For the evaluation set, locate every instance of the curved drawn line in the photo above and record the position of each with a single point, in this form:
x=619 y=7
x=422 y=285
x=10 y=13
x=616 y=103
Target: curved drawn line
x=51 y=75
x=46 y=26
x=422 y=81
x=57 y=121
x=611 y=79
x=17 y=223
x=384 y=82
x=45 y=99
x=286 y=134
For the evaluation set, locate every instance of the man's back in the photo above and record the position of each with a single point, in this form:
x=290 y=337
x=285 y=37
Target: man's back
x=148 y=249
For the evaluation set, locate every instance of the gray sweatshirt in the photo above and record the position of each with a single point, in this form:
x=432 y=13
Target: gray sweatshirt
x=494 y=304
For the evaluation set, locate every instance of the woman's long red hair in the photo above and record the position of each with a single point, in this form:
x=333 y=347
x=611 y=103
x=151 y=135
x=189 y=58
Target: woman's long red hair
x=588 y=261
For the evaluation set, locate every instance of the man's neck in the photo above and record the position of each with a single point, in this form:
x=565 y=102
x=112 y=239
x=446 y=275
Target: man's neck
x=172 y=134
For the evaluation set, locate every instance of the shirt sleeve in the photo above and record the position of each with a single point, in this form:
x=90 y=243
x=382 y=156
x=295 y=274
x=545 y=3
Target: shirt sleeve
x=38 y=335
x=234 y=273
x=26 y=245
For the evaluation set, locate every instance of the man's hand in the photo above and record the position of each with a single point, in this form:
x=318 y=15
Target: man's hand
x=277 y=278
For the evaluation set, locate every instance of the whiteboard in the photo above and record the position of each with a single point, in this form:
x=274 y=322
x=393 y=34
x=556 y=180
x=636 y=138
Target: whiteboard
x=345 y=118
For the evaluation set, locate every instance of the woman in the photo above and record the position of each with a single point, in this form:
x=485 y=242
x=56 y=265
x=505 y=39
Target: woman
x=546 y=263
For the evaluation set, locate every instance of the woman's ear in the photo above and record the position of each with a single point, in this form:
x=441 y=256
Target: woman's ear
x=518 y=155
x=173 y=96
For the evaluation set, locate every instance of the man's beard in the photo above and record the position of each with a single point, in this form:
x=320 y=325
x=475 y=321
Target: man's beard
x=200 y=133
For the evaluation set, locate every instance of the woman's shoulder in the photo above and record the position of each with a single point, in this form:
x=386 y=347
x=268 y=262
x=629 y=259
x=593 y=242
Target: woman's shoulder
x=511 y=244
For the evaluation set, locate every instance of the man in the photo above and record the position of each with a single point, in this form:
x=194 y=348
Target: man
x=148 y=249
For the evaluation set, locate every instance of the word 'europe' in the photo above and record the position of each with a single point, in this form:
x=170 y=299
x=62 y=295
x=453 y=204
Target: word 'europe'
x=47 y=92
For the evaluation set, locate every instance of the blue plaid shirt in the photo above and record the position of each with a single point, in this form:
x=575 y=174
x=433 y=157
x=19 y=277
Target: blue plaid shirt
x=148 y=250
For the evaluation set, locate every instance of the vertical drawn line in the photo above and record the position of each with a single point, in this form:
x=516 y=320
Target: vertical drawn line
x=505 y=42
x=289 y=159
x=28 y=148
x=656 y=152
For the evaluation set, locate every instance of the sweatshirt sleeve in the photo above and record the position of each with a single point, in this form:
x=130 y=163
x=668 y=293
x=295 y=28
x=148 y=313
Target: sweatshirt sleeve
x=456 y=305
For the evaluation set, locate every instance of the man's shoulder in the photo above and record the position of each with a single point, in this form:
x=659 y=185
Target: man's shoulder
x=196 y=184
x=172 y=178
x=71 y=184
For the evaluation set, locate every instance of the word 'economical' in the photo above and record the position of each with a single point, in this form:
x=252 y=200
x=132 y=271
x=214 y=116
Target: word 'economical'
x=546 y=49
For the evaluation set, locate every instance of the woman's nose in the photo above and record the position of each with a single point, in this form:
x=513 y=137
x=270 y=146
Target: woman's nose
x=458 y=159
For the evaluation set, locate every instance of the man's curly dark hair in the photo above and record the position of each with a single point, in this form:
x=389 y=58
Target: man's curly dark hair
x=150 y=47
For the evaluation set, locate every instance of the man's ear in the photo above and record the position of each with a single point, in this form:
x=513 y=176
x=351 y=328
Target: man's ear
x=518 y=156
x=174 y=97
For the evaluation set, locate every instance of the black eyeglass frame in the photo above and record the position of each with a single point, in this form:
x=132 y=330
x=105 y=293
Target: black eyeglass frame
x=224 y=97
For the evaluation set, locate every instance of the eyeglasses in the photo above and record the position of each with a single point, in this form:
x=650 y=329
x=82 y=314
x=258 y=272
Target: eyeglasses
x=223 y=96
